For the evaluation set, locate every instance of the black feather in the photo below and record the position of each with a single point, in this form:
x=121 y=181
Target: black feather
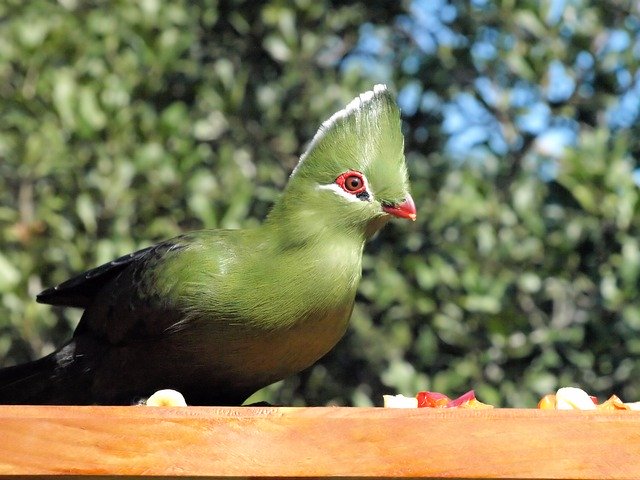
x=80 y=291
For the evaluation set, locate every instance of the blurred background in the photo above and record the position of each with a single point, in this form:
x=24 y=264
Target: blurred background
x=123 y=123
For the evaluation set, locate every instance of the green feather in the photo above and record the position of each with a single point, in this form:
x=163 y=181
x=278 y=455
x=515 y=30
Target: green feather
x=219 y=314
x=364 y=136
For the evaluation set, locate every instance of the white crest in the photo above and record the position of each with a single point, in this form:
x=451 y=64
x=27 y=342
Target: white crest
x=354 y=105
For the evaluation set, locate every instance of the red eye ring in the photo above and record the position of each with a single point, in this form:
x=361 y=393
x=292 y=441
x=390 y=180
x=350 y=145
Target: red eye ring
x=352 y=182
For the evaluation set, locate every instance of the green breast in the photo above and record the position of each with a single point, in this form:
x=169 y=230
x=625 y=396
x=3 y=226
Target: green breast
x=270 y=316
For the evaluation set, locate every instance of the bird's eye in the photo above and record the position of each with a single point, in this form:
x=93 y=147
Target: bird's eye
x=352 y=182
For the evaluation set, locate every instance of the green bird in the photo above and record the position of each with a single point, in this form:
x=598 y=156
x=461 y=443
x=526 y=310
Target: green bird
x=219 y=314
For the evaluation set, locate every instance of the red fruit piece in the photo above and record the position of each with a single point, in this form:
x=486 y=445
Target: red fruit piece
x=462 y=399
x=432 y=400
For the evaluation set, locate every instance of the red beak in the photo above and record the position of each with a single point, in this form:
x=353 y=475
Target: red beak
x=406 y=209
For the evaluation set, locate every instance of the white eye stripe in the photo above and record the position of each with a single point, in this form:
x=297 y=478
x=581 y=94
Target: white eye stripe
x=337 y=189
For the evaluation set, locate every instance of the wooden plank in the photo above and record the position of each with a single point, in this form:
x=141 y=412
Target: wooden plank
x=318 y=442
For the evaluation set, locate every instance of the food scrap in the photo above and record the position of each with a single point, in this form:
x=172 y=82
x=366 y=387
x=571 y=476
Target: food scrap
x=566 y=398
x=573 y=398
x=399 y=401
x=434 y=400
x=166 y=398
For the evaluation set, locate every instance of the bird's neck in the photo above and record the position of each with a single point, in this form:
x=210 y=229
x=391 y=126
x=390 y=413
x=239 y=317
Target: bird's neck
x=297 y=223
x=293 y=229
x=315 y=263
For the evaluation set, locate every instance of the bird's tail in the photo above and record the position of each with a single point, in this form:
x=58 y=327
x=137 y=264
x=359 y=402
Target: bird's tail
x=40 y=382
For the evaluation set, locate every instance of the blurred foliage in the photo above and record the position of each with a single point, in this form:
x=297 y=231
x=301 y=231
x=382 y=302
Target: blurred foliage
x=124 y=123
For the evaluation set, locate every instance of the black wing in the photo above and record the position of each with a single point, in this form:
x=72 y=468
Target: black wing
x=80 y=291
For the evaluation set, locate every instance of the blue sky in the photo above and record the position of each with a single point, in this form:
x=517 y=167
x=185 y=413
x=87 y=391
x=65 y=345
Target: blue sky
x=471 y=127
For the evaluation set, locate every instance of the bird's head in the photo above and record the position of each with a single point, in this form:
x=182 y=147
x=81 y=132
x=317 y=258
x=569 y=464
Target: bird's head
x=353 y=174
